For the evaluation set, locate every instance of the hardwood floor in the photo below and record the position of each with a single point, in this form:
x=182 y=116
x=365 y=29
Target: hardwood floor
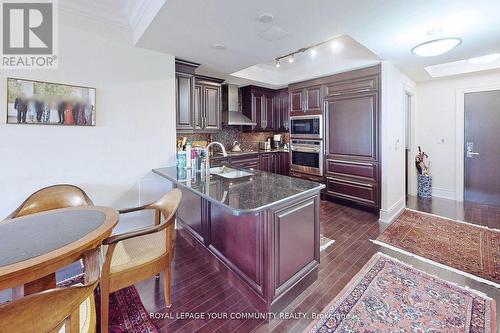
x=198 y=288
x=484 y=215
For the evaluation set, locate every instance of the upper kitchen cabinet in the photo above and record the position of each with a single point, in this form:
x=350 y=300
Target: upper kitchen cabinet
x=198 y=100
x=258 y=104
x=281 y=113
x=210 y=111
x=184 y=85
x=306 y=99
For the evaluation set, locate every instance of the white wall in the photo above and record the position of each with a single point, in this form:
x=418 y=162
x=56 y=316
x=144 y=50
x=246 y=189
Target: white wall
x=135 y=129
x=394 y=85
x=437 y=119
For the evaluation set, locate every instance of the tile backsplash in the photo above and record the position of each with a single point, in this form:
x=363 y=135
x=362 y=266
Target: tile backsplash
x=229 y=134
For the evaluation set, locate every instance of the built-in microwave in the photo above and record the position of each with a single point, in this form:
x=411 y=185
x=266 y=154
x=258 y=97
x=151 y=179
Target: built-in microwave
x=310 y=127
x=307 y=156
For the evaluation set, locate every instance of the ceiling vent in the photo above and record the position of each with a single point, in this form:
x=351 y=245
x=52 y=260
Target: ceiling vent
x=273 y=34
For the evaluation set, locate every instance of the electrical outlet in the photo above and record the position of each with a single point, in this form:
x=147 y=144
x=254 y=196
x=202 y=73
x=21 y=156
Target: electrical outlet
x=440 y=141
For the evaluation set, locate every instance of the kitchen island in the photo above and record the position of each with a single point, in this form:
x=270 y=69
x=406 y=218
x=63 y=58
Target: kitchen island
x=263 y=228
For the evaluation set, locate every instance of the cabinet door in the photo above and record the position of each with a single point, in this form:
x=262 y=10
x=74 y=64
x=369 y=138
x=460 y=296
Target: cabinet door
x=212 y=107
x=269 y=113
x=265 y=162
x=276 y=163
x=313 y=99
x=257 y=106
x=198 y=107
x=285 y=163
x=184 y=97
x=296 y=100
x=284 y=112
x=352 y=127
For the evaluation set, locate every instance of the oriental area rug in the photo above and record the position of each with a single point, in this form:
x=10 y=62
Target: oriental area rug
x=389 y=296
x=126 y=311
x=465 y=248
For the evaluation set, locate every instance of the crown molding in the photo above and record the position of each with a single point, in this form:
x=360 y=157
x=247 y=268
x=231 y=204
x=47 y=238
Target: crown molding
x=140 y=14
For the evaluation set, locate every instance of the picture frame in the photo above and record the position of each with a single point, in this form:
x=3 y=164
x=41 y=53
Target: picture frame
x=33 y=102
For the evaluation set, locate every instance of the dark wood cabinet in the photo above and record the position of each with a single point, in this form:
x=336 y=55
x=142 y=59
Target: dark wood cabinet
x=352 y=159
x=281 y=111
x=266 y=107
x=265 y=162
x=285 y=163
x=350 y=102
x=247 y=162
x=297 y=100
x=184 y=85
x=307 y=100
x=198 y=100
x=211 y=108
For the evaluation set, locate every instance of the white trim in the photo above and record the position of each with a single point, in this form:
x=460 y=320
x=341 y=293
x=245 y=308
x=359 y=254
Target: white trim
x=460 y=136
x=140 y=14
x=391 y=214
x=410 y=90
x=443 y=193
x=470 y=276
x=326 y=245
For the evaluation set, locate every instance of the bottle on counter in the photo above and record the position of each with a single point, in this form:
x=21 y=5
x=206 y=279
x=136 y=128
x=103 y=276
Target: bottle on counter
x=181 y=159
x=188 y=155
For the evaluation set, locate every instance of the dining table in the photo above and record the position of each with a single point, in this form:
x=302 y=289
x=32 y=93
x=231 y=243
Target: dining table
x=33 y=247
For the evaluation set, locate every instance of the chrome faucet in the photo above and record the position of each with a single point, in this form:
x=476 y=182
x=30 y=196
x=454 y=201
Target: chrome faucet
x=220 y=145
x=207 y=161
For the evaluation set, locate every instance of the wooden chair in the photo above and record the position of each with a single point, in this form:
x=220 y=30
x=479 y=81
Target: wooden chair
x=138 y=255
x=63 y=310
x=48 y=198
x=52 y=197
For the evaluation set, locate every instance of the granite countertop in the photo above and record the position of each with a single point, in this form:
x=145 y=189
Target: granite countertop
x=247 y=153
x=251 y=194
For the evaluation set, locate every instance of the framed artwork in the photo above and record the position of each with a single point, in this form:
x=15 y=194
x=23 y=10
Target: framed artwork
x=45 y=103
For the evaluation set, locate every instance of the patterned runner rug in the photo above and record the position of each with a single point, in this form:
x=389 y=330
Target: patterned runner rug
x=462 y=247
x=389 y=296
x=126 y=311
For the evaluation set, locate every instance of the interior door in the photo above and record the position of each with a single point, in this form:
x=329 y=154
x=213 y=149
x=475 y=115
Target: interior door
x=482 y=148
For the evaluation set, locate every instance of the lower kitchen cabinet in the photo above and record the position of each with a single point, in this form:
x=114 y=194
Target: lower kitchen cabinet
x=265 y=162
x=365 y=193
x=246 y=162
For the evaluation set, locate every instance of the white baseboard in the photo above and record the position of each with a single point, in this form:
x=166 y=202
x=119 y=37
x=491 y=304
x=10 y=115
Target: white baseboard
x=389 y=215
x=443 y=193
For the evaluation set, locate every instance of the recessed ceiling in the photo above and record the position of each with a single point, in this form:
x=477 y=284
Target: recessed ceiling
x=338 y=55
x=390 y=29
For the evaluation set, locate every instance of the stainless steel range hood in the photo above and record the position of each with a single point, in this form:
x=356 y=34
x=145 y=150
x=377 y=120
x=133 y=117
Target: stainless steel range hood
x=231 y=110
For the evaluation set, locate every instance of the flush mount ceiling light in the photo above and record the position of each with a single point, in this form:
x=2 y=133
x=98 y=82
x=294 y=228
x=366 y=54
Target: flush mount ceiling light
x=436 y=47
x=219 y=46
x=266 y=17
x=486 y=59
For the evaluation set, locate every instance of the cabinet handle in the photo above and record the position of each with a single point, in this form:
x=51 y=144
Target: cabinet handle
x=349 y=182
x=349 y=162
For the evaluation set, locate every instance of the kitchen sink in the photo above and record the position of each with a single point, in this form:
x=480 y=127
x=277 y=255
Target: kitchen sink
x=229 y=173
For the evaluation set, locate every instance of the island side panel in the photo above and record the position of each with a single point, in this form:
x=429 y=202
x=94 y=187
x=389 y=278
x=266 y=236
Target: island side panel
x=237 y=241
x=190 y=214
x=294 y=249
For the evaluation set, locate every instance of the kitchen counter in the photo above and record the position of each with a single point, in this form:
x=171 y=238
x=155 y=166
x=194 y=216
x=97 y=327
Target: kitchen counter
x=261 y=231
x=250 y=194
x=247 y=153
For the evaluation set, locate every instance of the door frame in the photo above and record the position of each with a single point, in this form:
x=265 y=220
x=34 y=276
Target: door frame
x=460 y=136
x=412 y=184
